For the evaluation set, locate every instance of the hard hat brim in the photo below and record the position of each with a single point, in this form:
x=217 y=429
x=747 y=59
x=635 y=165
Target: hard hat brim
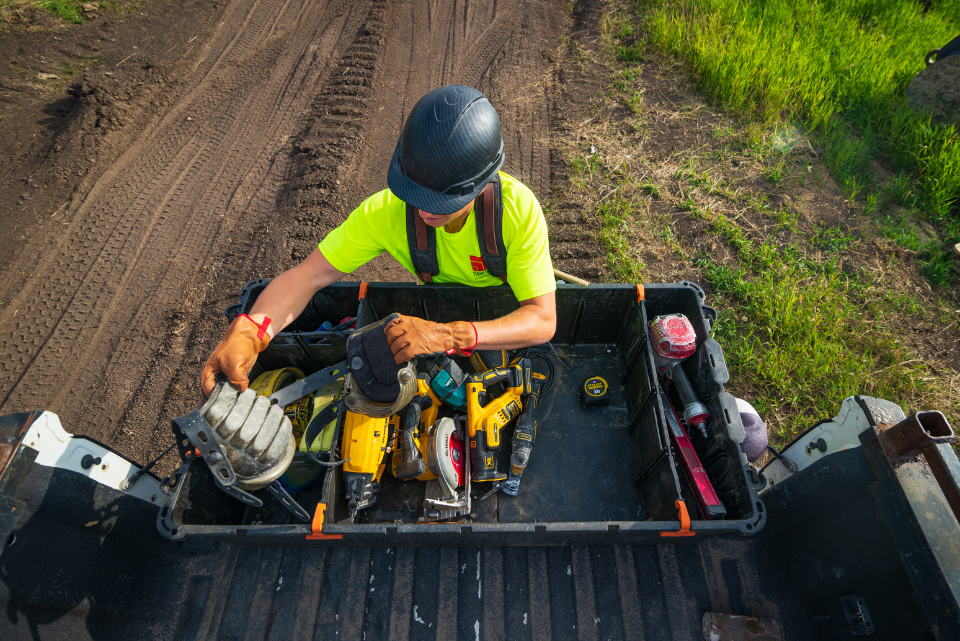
x=429 y=200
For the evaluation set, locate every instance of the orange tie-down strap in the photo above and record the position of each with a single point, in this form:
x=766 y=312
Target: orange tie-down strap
x=684 y=522
x=317 y=533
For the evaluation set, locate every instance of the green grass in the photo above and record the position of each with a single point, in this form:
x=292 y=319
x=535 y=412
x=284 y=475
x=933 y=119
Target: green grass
x=839 y=67
x=806 y=344
x=615 y=215
x=803 y=335
x=63 y=9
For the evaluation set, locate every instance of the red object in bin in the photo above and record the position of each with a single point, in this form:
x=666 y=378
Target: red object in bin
x=673 y=336
x=703 y=492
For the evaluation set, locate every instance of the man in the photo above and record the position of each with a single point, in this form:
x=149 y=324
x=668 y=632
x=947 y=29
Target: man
x=450 y=149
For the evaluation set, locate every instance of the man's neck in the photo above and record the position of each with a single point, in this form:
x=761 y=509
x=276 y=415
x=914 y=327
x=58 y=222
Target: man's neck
x=457 y=223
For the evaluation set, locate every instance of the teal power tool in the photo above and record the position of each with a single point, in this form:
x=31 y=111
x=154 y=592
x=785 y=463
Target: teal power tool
x=447 y=381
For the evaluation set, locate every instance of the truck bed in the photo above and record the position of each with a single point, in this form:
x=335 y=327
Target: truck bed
x=86 y=561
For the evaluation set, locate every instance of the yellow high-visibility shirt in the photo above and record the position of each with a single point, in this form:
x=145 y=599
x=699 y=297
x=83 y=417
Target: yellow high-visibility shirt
x=379 y=224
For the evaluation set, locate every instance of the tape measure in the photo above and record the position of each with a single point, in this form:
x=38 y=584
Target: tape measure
x=595 y=391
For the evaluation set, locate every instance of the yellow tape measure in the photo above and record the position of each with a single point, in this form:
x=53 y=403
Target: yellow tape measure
x=595 y=391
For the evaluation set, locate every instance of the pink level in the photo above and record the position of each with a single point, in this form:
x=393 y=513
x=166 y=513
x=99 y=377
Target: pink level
x=692 y=468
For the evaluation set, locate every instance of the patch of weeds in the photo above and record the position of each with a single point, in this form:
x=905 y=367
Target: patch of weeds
x=936 y=263
x=583 y=167
x=721 y=155
x=723 y=131
x=805 y=345
x=689 y=204
x=650 y=188
x=787 y=219
x=774 y=173
x=632 y=53
x=899 y=229
x=832 y=239
x=615 y=240
x=634 y=102
x=902 y=301
x=63 y=9
x=758 y=202
x=701 y=180
x=686 y=171
x=68 y=69
x=871 y=203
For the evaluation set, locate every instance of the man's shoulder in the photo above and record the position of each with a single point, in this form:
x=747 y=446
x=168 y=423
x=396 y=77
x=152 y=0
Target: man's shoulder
x=519 y=202
x=382 y=202
x=516 y=194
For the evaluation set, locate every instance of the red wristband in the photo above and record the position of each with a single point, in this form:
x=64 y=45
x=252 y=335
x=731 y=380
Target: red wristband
x=263 y=326
x=476 y=336
x=467 y=351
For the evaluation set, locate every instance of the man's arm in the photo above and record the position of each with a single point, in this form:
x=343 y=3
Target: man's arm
x=288 y=294
x=534 y=323
x=281 y=301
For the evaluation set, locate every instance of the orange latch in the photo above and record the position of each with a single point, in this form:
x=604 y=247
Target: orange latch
x=317 y=533
x=363 y=290
x=640 y=293
x=684 y=522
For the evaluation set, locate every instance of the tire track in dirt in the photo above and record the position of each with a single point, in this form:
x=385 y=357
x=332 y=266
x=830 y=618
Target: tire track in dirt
x=288 y=121
x=86 y=328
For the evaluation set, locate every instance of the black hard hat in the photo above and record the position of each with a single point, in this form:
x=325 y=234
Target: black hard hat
x=449 y=149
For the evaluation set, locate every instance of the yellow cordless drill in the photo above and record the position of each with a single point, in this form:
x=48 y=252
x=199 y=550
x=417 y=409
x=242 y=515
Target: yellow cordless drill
x=487 y=416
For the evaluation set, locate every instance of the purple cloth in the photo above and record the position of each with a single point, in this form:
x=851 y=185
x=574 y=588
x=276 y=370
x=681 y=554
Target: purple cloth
x=755 y=444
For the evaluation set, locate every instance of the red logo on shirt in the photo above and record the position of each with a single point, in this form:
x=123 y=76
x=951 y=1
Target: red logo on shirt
x=476 y=262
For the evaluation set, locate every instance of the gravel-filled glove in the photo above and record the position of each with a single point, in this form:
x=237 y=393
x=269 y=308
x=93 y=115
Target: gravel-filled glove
x=235 y=355
x=255 y=435
x=410 y=336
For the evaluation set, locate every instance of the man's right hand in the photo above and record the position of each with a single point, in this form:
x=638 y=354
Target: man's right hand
x=236 y=354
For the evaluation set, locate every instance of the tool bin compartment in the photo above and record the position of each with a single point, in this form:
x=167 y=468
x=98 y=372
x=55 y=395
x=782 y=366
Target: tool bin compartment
x=598 y=474
x=303 y=344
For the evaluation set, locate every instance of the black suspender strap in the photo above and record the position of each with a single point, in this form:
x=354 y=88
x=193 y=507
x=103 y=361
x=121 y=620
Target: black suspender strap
x=488 y=212
x=422 y=241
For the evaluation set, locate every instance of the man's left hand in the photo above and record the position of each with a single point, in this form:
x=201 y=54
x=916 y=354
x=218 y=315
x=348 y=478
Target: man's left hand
x=410 y=336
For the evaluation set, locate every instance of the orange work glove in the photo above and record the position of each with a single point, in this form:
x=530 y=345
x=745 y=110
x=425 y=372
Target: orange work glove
x=410 y=336
x=236 y=354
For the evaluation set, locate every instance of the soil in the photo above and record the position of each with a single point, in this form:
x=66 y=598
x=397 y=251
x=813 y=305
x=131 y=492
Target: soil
x=203 y=144
x=145 y=192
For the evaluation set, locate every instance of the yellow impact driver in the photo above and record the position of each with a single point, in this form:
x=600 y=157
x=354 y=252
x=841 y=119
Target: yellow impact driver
x=487 y=416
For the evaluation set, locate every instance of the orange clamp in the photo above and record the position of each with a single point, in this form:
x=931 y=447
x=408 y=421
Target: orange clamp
x=363 y=290
x=684 y=522
x=317 y=526
x=640 y=292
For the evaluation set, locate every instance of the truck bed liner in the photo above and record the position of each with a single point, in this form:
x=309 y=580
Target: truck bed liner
x=88 y=563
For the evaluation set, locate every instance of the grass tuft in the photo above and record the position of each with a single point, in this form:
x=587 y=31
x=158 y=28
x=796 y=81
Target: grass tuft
x=840 y=67
x=63 y=9
x=800 y=342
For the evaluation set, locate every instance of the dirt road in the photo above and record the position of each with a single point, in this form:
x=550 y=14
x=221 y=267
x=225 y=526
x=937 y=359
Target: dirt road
x=277 y=125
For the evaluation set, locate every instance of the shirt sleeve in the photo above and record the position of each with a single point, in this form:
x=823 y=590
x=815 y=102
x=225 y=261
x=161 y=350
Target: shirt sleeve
x=356 y=241
x=529 y=268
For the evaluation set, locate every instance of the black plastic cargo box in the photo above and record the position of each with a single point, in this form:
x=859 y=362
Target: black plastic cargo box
x=597 y=475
